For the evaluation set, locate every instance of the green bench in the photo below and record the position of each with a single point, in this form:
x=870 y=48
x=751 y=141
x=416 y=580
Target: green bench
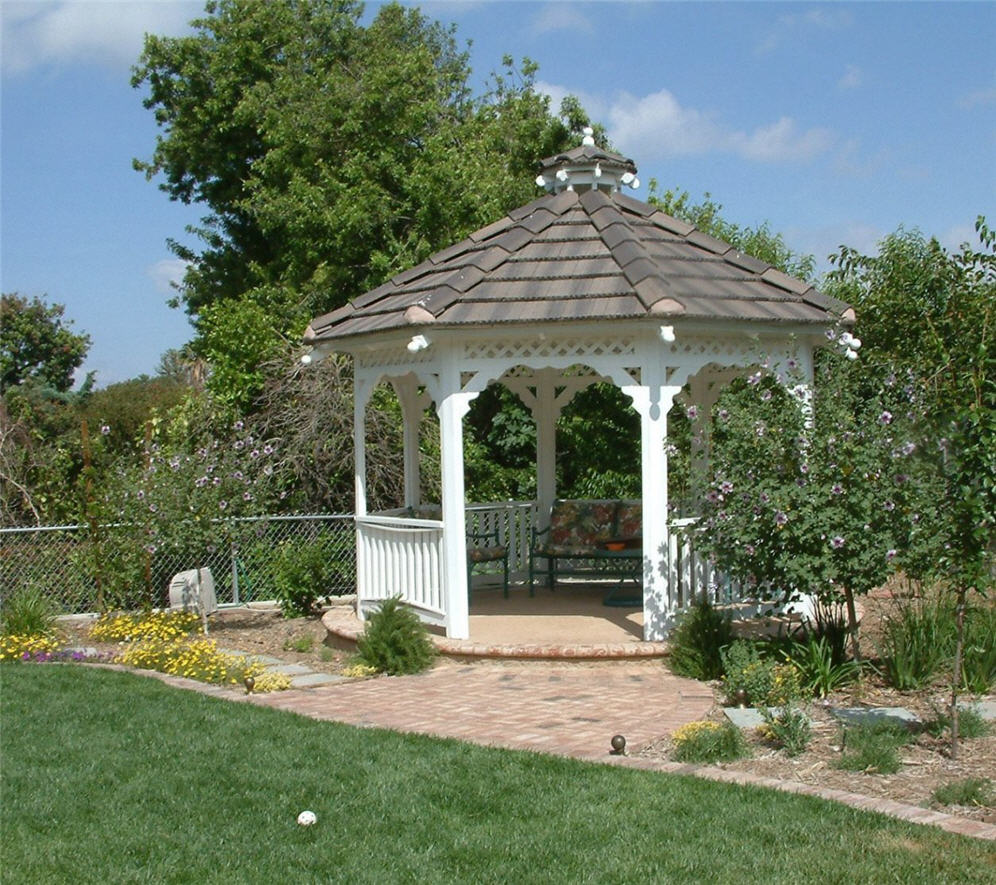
x=592 y=539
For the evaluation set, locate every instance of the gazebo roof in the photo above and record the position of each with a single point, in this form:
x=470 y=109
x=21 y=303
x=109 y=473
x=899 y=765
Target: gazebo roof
x=585 y=253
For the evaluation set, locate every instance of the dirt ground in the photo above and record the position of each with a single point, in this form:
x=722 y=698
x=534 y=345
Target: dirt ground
x=926 y=763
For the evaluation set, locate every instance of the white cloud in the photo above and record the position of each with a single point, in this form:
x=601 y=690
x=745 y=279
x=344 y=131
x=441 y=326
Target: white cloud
x=978 y=97
x=109 y=32
x=560 y=17
x=851 y=79
x=166 y=273
x=657 y=125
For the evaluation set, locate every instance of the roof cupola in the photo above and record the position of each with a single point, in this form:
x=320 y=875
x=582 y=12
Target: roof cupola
x=587 y=168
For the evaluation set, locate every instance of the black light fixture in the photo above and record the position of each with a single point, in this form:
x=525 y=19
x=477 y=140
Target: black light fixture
x=618 y=745
x=250 y=684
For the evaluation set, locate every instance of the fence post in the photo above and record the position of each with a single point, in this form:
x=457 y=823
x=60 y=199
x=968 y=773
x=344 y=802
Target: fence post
x=235 y=574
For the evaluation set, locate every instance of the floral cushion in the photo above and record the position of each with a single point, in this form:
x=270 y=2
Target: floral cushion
x=581 y=524
x=629 y=520
x=487 y=554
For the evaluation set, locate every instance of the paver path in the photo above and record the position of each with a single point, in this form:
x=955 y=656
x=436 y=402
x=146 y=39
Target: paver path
x=571 y=710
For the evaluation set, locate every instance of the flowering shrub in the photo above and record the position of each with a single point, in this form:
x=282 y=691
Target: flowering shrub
x=358 y=670
x=124 y=627
x=828 y=507
x=704 y=741
x=16 y=647
x=764 y=681
x=198 y=659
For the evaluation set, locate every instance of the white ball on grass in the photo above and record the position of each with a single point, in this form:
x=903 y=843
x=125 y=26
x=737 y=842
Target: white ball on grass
x=306 y=818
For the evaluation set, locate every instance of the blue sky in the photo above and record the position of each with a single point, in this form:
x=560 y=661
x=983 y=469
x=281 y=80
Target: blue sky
x=836 y=123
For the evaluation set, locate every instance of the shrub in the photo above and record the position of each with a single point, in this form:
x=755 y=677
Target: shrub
x=762 y=680
x=27 y=612
x=698 y=637
x=819 y=675
x=970 y=791
x=873 y=748
x=302 y=577
x=789 y=728
x=395 y=641
x=136 y=627
x=918 y=639
x=709 y=742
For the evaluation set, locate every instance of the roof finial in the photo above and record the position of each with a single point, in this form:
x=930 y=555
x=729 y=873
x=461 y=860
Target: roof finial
x=589 y=135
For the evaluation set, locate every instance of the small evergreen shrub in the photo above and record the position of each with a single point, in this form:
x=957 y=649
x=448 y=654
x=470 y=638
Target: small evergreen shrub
x=696 y=641
x=709 y=742
x=970 y=791
x=395 y=641
x=971 y=724
x=27 y=612
x=789 y=728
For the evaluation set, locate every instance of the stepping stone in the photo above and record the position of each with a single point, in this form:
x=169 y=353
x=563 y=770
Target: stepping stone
x=873 y=715
x=750 y=717
x=986 y=709
x=310 y=680
x=288 y=669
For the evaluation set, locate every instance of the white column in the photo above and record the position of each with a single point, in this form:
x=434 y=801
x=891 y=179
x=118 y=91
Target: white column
x=412 y=406
x=362 y=389
x=452 y=407
x=545 y=412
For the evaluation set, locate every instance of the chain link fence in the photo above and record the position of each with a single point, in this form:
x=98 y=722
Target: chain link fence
x=64 y=562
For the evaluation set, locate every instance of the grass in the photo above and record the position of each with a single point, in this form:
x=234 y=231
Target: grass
x=112 y=777
x=970 y=791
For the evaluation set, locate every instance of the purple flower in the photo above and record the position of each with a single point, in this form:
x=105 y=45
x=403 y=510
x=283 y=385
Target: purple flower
x=201 y=481
x=726 y=487
x=804 y=468
x=239 y=445
x=890 y=555
x=254 y=453
x=105 y=429
x=836 y=542
x=222 y=505
x=267 y=449
x=831 y=335
x=766 y=395
x=140 y=494
x=837 y=489
x=750 y=549
x=713 y=496
x=246 y=496
x=692 y=412
x=792 y=364
x=885 y=418
x=238 y=425
x=889 y=506
x=765 y=497
x=723 y=414
x=754 y=379
x=781 y=518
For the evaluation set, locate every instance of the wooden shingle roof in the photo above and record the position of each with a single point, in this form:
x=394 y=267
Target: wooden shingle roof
x=573 y=256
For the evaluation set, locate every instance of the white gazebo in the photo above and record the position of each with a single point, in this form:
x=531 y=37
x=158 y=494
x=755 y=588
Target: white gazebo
x=583 y=285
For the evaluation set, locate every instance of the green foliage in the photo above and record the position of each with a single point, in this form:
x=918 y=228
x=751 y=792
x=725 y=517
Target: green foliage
x=967 y=792
x=917 y=641
x=709 y=742
x=813 y=660
x=331 y=153
x=36 y=345
x=302 y=645
x=303 y=576
x=873 y=748
x=696 y=642
x=979 y=658
x=787 y=727
x=27 y=611
x=971 y=723
x=758 y=242
x=395 y=641
x=763 y=681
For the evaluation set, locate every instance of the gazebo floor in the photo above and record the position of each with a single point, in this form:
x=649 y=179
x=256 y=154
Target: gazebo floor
x=571 y=623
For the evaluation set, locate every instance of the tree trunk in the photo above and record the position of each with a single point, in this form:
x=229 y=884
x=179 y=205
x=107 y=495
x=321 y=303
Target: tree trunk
x=852 y=624
x=956 y=678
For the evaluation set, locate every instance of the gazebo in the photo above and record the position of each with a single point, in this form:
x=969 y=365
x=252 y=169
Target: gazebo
x=585 y=284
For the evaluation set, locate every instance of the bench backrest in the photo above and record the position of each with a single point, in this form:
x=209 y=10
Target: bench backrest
x=589 y=523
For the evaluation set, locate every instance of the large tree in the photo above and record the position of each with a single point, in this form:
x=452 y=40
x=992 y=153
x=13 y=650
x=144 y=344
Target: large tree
x=330 y=155
x=36 y=344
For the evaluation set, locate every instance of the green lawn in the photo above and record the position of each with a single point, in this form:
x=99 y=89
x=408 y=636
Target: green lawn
x=112 y=777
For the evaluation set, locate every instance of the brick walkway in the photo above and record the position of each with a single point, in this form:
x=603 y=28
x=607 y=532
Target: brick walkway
x=572 y=710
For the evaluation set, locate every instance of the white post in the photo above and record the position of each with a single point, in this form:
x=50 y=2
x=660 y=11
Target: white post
x=545 y=412
x=412 y=405
x=452 y=407
x=362 y=388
